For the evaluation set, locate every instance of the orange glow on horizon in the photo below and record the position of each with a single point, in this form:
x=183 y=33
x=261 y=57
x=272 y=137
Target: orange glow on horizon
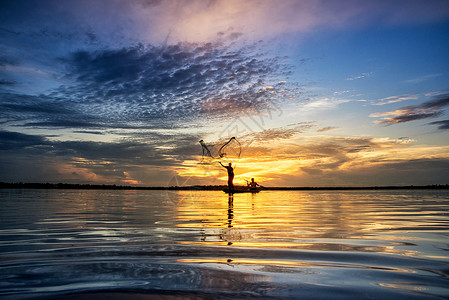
x=269 y=163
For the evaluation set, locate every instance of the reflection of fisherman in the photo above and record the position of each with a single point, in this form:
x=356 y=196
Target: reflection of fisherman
x=252 y=184
x=230 y=175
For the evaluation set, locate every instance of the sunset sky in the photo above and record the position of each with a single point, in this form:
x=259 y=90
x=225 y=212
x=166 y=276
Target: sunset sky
x=318 y=93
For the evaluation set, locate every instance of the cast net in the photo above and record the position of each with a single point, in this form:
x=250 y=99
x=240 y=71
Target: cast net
x=225 y=152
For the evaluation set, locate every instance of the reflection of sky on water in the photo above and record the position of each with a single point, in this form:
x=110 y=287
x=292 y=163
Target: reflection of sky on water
x=400 y=222
x=272 y=243
x=334 y=221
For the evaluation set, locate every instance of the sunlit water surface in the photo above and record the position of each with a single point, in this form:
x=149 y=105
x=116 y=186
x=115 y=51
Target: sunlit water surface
x=83 y=244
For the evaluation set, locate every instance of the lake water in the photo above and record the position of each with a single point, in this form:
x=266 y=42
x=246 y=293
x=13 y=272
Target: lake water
x=109 y=244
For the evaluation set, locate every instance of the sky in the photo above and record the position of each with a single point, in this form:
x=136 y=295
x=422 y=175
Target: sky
x=316 y=92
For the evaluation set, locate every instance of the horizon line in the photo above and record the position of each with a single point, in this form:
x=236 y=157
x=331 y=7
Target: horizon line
x=36 y=185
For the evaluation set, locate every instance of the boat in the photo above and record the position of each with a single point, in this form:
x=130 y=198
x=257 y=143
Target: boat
x=242 y=190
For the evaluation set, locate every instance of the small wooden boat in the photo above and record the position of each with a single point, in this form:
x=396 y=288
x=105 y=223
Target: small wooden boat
x=242 y=190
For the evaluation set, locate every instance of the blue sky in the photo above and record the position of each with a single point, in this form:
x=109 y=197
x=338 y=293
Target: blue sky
x=317 y=92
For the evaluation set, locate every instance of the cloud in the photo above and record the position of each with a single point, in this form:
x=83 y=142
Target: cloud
x=172 y=82
x=421 y=171
x=341 y=92
x=136 y=67
x=15 y=140
x=430 y=109
x=7 y=82
x=152 y=159
x=443 y=124
x=329 y=128
x=329 y=160
x=91 y=161
x=152 y=148
x=148 y=87
x=43 y=111
x=436 y=93
x=301 y=160
x=323 y=148
x=325 y=103
x=276 y=134
x=361 y=76
x=422 y=78
x=89 y=132
x=202 y=21
x=7 y=61
x=395 y=99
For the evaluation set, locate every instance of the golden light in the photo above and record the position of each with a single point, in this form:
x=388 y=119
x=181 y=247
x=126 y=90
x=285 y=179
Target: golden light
x=268 y=163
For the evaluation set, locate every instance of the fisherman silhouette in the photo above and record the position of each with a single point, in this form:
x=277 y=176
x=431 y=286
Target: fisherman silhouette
x=252 y=184
x=230 y=175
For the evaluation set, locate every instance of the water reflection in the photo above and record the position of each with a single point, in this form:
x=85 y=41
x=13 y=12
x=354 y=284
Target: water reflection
x=357 y=244
x=325 y=221
x=230 y=216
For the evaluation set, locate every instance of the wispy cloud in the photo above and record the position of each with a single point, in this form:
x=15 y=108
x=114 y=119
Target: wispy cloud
x=422 y=78
x=436 y=93
x=325 y=103
x=276 y=134
x=329 y=128
x=443 y=124
x=361 y=76
x=430 y=109
x=395 y=99
x=337 y=93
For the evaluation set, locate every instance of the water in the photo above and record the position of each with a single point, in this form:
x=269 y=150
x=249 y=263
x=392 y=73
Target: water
x=106 y=244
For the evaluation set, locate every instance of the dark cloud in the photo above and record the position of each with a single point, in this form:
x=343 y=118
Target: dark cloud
x=44 y=111
x=443 y=125
x=7 y=60
x=36 y=105
x=430 y=109
x=34 y=157
x=154 y=87
x=62 y=123
x=423 y=171
x=7 y=82
x=182 y=81
x=439 y=102
x=151 y=149
x=15 y=140
x=108 y=85
x=411 y=116
x=89 y=132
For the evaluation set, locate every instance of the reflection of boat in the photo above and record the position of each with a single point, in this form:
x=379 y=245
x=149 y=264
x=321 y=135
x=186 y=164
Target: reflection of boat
x=242 y=190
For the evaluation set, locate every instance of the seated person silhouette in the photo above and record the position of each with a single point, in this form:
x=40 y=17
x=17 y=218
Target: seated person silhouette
x=230 y=175
x=252 y=184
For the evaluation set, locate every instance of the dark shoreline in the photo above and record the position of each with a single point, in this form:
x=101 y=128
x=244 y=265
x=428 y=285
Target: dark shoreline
x=20 y=185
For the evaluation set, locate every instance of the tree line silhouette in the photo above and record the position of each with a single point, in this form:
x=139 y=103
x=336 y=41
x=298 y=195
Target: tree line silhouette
x=28 y=185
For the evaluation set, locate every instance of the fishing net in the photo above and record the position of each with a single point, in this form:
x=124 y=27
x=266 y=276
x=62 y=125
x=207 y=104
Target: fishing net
x=228 y=152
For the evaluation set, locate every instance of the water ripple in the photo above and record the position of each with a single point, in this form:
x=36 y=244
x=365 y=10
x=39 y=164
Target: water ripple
x=314 y=245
